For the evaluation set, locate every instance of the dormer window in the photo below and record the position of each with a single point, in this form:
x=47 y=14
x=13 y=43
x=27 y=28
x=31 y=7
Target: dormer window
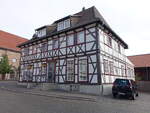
x=41 y=32
x=63 y=25
x=67 y=23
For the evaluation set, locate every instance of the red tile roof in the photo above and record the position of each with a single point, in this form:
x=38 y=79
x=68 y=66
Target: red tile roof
x=140 y=60
x=10 y=41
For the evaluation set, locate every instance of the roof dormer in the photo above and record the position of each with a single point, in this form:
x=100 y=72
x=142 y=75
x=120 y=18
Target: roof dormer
x=63 y=24
x=44 y=31
x=41 y=32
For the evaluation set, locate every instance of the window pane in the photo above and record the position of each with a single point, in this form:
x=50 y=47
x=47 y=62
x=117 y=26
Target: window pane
x=80 y=37
x=62 y=41
x=111 y=67
x=83 y=70
x=106 y=67
x=66 y=23
x=60 y=26
x=70 y=70
x=44 y=47
x=41 y=32
x=70 y=40
x=55 y=44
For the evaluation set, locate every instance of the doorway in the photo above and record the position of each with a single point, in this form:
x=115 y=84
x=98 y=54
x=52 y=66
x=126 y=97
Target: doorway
x=51 y=72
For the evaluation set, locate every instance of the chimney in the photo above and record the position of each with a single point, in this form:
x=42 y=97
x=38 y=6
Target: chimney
x=83 y=8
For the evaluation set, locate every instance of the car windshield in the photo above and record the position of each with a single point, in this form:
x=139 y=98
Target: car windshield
x=122 y=82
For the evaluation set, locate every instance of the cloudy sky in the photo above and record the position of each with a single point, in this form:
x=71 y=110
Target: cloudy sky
x=130 y=19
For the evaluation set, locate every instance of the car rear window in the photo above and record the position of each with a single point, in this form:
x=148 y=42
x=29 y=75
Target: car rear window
x=122 y=82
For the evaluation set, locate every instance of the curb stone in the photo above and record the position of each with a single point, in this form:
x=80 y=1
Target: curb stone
x=50 y=95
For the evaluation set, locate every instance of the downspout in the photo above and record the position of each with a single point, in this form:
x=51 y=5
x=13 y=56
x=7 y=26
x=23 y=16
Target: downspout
x=147 y=72
x=98 y=59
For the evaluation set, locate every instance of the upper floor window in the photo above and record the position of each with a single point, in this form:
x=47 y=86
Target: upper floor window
x=55 y=44
x=30 y=50
x=108 y=41
x=26 y=51
x=115 y=45
x=62 y=41
x=70 y=40
x=122 y=70
x=67 y=23
x=41 y=32
x=34 y=49
x=111 y=67
x=119 y=49
x=50 y=45
x=44 y=47
x=14 y=60
x=80 y=37
x=63 y=25
x=39 y=48
x=60 y=26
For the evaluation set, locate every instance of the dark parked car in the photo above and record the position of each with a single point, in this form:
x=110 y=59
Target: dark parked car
x=125 y=87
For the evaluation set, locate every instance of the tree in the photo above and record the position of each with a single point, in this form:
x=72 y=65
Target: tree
x=4 y=66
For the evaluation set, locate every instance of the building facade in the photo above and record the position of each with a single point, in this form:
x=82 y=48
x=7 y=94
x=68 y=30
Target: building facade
x=141 y=66
x=8 y=43
x=79 y=50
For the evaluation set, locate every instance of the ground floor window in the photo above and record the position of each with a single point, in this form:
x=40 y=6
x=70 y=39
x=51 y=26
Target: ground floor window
x=83 y=70
x=122 y=70
x=70 y=70
x=106 y=67
x=111 y=67
x=43 y=68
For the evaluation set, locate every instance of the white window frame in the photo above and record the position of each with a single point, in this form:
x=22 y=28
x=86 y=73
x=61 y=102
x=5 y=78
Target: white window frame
x=26 y=51
x=41 y=32
x=60 y=26
x=123 y=70
x=44 y=47
x=14 y=60
x=34 y=49
x=55 y=44
x=119 y=48
x=70 y=40
x=44 y=68
x=80 y=37
x=70 y=70
x=111 y=65
x=63 y=25
x=106 y=66
x=83 y=70
x=62 y=42
x=66 y=23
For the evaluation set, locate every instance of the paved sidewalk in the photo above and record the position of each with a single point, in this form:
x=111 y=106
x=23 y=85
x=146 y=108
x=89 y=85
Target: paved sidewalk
x=13 y=87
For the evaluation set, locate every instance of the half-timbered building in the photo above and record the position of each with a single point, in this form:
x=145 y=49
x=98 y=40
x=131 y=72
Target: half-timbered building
x=78 y=52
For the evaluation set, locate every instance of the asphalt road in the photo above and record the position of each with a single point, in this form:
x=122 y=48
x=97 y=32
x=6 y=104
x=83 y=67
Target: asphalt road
x=14 y=102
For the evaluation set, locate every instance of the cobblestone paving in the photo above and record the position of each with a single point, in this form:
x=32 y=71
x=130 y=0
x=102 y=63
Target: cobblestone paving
x=14 y=102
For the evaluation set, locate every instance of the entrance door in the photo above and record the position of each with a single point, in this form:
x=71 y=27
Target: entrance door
x=3 y=76
x=51 y=72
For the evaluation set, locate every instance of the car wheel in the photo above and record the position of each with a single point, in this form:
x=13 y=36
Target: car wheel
x=133 y=96
x=114 y=95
